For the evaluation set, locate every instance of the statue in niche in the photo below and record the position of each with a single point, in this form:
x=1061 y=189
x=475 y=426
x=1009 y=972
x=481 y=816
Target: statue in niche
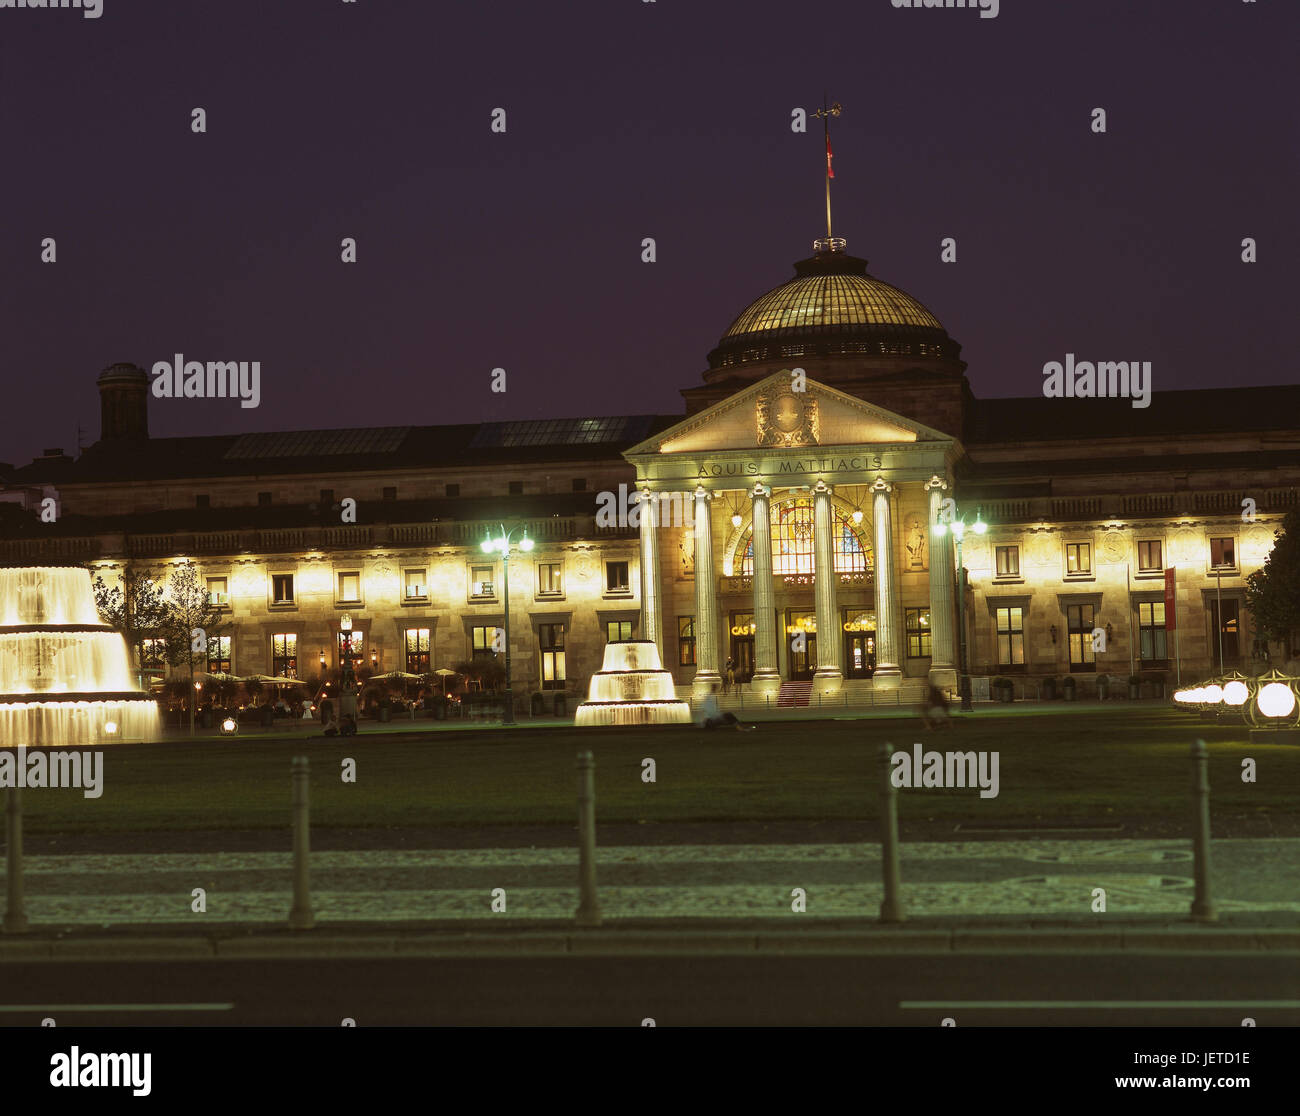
x=686 y=555
x=916 y=542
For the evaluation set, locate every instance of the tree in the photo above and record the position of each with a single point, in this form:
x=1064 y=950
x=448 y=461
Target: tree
x=190 y=621
x=1273 y=593
x=133 y=607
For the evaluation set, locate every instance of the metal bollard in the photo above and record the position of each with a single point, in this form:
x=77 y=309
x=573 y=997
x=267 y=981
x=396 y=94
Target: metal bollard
x=891 y=908
x=15 y=920
x=588 y=902
x=1202 y=906
x=300 y=915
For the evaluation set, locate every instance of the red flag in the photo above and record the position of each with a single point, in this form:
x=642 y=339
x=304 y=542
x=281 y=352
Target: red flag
x=1171 y=604
x=830 y=171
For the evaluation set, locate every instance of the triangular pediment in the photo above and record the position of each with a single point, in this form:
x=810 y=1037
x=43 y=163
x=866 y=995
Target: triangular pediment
x=772 y=414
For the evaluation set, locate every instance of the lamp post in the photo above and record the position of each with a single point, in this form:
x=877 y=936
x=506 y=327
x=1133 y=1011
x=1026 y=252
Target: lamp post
x=347 y=677
x=957 y=528
x=502 y=545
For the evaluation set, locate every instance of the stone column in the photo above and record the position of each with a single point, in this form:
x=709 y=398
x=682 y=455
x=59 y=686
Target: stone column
x=652 y=605
x=707 y=678
x=829 y=678
x=767 y=675
x=943 y=672
x=888 y=675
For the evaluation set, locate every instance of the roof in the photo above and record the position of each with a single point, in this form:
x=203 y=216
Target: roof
x=362 y=449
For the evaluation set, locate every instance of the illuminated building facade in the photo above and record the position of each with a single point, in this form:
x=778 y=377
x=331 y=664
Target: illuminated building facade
x=797 y=496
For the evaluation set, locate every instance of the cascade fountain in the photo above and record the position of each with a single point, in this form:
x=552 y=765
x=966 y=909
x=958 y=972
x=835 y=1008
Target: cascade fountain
x=632 y=688
x=65 y=676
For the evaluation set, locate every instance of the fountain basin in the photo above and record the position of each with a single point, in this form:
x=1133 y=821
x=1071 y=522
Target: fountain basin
x=632 y=688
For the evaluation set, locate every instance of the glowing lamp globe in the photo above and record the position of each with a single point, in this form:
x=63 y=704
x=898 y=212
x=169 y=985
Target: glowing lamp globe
x=1235 y=693
x=110 y=728
x=229 y=726
x=526 y=543
x=1275 y=700
x=857 y=515
x=1213 y=693
x=736 y=521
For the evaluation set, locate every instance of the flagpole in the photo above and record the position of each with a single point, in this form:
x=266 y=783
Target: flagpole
x=826 y=112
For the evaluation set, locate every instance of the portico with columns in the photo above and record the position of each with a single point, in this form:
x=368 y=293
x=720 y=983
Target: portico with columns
x=789 y=529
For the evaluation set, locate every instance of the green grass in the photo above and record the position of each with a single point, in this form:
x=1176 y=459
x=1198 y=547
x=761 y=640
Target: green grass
x=1059 y=766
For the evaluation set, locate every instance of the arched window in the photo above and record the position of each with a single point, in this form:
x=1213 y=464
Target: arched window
x=792 y=541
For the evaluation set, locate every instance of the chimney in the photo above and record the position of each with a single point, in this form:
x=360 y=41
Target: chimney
x=123 y=403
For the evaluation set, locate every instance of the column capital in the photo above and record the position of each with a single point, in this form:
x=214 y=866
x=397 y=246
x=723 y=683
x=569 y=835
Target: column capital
x=936 y=481
x=822 y=487
x=882 y=485
x=702 y=493
x=761 y=489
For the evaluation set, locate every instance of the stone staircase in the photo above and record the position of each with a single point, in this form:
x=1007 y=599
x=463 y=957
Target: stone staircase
x=856 y=693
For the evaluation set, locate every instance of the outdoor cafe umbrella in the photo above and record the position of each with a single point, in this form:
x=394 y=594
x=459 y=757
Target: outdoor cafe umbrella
x=444 y=673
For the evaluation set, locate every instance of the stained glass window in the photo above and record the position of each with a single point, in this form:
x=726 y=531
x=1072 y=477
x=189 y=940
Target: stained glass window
x=792 y=542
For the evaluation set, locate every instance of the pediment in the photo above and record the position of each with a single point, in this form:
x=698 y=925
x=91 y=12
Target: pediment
x=771 y=414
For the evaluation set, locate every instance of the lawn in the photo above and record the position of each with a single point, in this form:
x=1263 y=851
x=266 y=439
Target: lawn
x=1093 y=765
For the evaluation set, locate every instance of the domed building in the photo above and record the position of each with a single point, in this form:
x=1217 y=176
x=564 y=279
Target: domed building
x=834 y=517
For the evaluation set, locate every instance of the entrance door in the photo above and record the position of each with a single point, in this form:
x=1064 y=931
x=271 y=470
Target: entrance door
x=801 y=639
x=742 y=645
x=859 y=643
x=860 y=655
x=1227 y=622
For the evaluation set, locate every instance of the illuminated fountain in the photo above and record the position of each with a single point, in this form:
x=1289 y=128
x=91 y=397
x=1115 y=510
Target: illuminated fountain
x=65 y=677
x=632 y=688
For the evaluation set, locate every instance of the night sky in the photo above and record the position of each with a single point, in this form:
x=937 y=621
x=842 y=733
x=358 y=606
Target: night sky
x=624 y=120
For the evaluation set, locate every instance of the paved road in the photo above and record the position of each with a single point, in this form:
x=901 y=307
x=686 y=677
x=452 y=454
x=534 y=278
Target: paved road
x=1023 y=878
x=1207 y=990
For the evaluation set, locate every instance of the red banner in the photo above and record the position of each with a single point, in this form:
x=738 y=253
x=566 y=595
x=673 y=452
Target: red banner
x=1171 y=601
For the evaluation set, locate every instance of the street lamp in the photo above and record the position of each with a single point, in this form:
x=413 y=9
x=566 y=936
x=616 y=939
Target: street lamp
x=347 y=676
x=957 y=528
x=501 y=545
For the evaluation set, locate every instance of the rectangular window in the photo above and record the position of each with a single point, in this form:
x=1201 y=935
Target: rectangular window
x=282 y=589
x=218 y=596
x=1011 y=636
x=1223 y=554
x=350 y=587
x=416 y=584
x=549 y=581
x=686 y=640
x=417 y=650
x=1150 y=556
x=618 y=629
x=1079 y=622
x=1152 y=636
x=1078 y=559
x=1008 y=558
x=284 y=655
x=480 y=582
x=481 y=639
x=616 y=579
x=550 y=639
x=918 y=632
x=219 y=654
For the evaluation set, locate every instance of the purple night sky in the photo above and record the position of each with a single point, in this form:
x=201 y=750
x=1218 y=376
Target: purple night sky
x=625 y=120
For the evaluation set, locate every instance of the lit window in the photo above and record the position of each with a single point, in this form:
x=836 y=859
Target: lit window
x=218 y=596
x=480 y=581
x=918 y=633
x=616 y=577
x=416 y=583
x=417 y=650
x=1008 y=558
x=1011 y=636
x=1150 y=556
x=549 y=580
x=284 y=655
x=792 y=542
x=350 y=587
x=1078 y=558
x=282 y=589
x=1223 y=554
x=618 y=629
